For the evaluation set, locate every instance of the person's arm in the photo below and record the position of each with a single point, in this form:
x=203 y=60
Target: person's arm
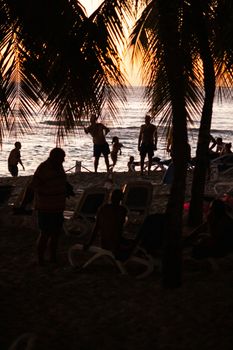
x=20 y=161
x=155 y=136
x=106 y=129
x=120 y=145
x=169 y=140
x=140 y=139
x=214 y=143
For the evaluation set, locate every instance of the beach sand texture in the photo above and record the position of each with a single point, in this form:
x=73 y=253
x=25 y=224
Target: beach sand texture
x=100 y=309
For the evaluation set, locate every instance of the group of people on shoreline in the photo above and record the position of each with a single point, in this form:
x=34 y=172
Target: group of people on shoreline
x=50 y=189
x=147 y=145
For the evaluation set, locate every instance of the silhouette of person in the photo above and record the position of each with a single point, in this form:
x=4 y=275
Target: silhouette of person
x=98 y=131
x=227 y=149
x=219 y=145
x=110 y=221
x=116 y=148
x=218 y=239
x=169 y=173
x=50 y=188
x=147 y=142
x=14 y=159
x=131 y=164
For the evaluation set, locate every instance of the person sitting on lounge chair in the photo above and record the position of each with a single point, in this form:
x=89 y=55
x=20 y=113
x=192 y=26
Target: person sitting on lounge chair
x=218 y=237
x=151 y=233
x=109 y=224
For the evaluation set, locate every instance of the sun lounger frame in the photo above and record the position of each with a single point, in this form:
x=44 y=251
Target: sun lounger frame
x=148 y=261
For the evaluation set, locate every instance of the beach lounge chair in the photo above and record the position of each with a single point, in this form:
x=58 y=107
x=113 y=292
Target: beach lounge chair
x=26 y=341
x=223 y=182
x=137 y=198
x=81 y=222
x=223 y=164
x=139 y=256
x=5 y=193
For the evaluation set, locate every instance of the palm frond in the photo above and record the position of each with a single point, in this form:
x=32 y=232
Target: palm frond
x=146 y=38
x=70 y=62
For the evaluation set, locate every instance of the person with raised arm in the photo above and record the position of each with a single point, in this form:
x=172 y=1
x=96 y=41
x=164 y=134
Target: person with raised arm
x=98 y=131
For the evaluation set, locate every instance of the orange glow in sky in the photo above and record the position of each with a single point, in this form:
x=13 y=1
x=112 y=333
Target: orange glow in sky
x=90 y=5
x=132 y=71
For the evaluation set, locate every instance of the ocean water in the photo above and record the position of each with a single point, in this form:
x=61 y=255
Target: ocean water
x=36 y=144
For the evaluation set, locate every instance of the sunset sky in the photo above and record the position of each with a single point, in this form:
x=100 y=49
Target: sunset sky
x=133 y=76
x=90 y=5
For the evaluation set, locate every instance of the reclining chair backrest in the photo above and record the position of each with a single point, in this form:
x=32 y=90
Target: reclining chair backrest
x=91 y=199
x=138 y=195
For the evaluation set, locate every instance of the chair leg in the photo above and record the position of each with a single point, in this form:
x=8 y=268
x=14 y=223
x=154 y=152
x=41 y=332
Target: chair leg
x=148 y=262
x=71 y=255
x=118 y=264
x=120 y=267
x=98 y=254
x=93 y=258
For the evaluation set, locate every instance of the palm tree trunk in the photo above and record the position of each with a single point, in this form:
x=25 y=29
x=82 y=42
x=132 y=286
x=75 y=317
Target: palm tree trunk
x=172 y=253
x=202 y=153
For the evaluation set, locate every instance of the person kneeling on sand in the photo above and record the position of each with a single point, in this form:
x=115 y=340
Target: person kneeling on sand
x=131 y=164
x=109 y=224
x=50 y=188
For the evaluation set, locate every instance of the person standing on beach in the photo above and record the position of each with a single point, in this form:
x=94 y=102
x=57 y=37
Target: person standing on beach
x=14 y=159
x=98 y=131
x=50 y=186
x=147 y=142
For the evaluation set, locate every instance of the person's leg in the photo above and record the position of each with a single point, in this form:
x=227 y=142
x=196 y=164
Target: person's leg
x=142 y=162
x=96 y=154
x=106 y=151
x=13 y=169
x=56 y=224
x=41 y=246
x=150 y=152
x=106 y=161
x=143 y=152
x=114 y=159
x=96 y=163
x=149 y=163
x=53 y=243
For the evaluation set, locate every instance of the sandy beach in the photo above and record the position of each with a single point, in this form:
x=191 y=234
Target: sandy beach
x=61 y=308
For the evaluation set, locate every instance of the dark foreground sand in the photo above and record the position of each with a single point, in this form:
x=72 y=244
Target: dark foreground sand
x=98 y=308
